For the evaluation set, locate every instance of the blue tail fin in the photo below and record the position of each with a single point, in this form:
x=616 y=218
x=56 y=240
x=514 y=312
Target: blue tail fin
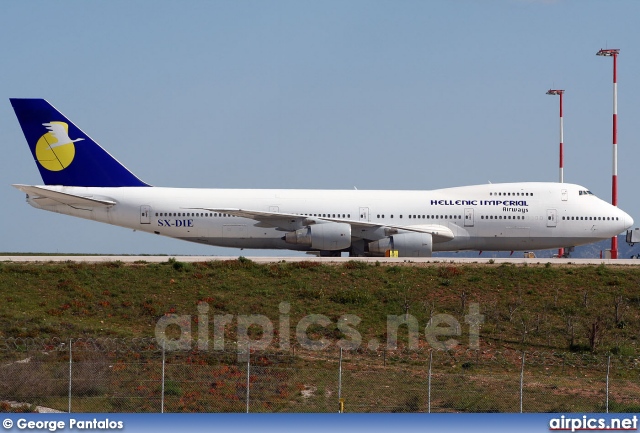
x=64 y=154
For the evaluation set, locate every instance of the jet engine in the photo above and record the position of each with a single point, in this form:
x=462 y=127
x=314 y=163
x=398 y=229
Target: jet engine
x=407 y=245
x=323 y=237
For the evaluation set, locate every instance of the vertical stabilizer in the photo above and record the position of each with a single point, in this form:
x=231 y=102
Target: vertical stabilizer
x=64 y=154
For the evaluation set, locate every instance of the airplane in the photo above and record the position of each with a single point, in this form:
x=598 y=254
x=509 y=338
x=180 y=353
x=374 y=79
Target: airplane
x=81 y=179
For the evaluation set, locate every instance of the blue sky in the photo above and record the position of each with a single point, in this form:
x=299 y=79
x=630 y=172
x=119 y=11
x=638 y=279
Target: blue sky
x=324 y=94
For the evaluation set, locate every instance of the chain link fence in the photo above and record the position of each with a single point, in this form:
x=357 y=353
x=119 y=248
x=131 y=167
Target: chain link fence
x=117 y=375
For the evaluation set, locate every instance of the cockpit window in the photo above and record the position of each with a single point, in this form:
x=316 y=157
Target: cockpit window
x=585 y=192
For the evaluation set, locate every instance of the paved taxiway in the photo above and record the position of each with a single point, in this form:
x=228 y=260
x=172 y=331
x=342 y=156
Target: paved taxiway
x=387 y=260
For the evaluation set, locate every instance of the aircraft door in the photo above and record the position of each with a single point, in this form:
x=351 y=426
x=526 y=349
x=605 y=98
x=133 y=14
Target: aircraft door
x=364 y=214
x=565 y=195
x=145 y=214
x=468 y=217
x=552 y=217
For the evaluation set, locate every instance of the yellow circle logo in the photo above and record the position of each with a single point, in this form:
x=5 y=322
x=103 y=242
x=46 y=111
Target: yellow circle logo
x=55 y=150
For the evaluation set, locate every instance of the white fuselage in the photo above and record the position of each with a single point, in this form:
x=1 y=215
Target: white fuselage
x=507 y=217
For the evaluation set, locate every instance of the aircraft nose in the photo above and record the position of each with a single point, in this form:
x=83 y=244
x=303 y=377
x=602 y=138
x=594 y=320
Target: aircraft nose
x=628 y=221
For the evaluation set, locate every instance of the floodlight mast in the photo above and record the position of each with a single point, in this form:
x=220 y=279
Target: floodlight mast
x=613 y=52
x=560 y=93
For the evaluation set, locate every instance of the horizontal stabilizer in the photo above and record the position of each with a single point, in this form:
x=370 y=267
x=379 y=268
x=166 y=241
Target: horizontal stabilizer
x=41 y=195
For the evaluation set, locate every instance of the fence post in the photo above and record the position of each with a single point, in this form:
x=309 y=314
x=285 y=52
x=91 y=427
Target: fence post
x=70 y=361
x=162 y=395
x=340 y=401
x=429 y=395
x=522 y=381
x=248 y=372
x=608 y=369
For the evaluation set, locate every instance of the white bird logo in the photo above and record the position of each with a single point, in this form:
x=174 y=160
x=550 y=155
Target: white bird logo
x=59 y=131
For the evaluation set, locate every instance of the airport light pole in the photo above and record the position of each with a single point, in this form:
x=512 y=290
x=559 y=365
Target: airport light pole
x=560 y=93
x=613 y=52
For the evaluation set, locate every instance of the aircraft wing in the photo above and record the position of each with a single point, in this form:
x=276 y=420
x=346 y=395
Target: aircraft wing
x=46 y=196
x=286 y=221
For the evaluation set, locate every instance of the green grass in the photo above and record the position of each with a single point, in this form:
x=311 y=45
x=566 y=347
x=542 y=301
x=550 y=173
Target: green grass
x=549 y=310
x=529 y=308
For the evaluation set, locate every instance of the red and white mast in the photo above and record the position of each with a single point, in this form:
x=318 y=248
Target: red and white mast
x=560 y=93
x=611 y=52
